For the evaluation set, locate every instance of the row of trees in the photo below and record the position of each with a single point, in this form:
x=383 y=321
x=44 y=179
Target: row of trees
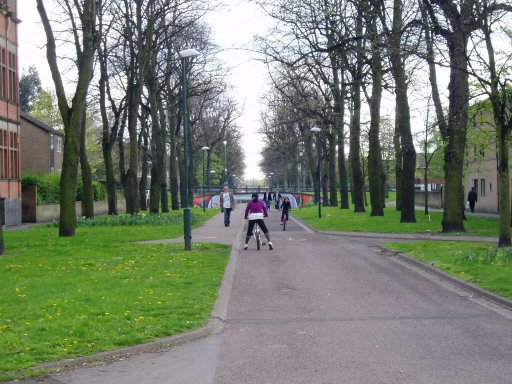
x=332 y=62
x=126 y=94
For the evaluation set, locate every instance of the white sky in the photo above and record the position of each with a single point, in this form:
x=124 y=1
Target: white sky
x=233 y=26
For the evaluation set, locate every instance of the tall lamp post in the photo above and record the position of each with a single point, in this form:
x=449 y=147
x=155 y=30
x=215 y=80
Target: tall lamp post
x=271 y=180
x=317 y=130
x=204 y=149
x=226 y=161
x=301 y=185
x=187 y=229
x=210 y=187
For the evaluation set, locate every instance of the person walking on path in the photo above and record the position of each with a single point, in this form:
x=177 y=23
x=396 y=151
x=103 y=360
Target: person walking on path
x=472 y=199
x=227 y=203
x=255 y=211
x=286 y=208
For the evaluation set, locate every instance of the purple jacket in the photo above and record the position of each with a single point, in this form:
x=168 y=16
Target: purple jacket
x=256 y=207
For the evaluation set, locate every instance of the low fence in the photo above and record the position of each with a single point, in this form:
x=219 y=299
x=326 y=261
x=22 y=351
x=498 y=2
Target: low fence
x=435 y=199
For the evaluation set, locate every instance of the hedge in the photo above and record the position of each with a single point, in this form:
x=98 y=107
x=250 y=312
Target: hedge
x=48 y=188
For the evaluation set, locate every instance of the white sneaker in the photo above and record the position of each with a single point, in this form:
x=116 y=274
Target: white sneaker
x=270 y=246
x=246 y=246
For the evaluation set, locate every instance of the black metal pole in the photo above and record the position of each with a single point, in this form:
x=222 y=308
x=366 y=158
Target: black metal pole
x=187 y=229
x=319 y=177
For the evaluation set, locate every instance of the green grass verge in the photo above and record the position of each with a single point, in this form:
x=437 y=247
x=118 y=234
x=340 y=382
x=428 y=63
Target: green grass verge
x=335 y=219
x=97 y=291
x=479 y=263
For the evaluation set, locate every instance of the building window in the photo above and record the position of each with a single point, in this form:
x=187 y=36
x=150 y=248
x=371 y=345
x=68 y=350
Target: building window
x=52 y=170
x=8 y=75
x=51 y=142
x=9 y=155
x=13 y=78
x=59 y=144
x=482 y=187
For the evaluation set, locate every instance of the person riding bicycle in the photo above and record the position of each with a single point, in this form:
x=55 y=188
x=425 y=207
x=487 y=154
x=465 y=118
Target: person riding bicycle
x=255 y=212
x=286 y=208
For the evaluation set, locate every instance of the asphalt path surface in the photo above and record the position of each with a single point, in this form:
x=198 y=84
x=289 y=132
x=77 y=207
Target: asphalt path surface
x=331 y=309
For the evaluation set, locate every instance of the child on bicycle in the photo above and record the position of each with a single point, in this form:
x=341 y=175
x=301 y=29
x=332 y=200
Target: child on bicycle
x=286 y=208
x=255 y=211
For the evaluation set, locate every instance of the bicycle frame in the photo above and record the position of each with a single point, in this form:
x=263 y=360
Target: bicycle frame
x=257 y=235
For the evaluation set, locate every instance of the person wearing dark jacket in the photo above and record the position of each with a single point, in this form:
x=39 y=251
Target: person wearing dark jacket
x=286 y=208
x=472 y=199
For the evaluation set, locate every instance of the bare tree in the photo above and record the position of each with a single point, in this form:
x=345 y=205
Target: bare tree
x=82 y=18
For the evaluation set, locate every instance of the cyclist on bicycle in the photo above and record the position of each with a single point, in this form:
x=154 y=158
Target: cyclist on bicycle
x=286 y=208
x=255 y=212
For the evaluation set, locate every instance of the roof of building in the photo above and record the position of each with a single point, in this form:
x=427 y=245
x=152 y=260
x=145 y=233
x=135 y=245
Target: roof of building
x=39 y=123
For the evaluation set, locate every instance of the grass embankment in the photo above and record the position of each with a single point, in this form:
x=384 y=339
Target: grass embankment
x=68 y=297
x=336 y=219
x=480 y=263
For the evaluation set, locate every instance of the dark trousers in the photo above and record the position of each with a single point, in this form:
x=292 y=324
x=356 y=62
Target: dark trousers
x=472 y=206
x=227 y=216
x=261 y=224
x=285 y=214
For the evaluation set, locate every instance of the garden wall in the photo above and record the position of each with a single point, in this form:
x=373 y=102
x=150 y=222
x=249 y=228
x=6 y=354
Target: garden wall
x=50 y=212
x=435 y=199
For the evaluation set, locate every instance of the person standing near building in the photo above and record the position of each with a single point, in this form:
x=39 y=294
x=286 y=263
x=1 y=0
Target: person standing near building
x=472 y=199
x=227 y=203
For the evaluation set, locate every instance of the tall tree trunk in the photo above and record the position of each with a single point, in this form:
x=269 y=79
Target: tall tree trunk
x=164 y=197
x=342 y=163
x=173 y=162
x=87 y=189
x=157 y=141
x=333 y=193
x=355 y=124
x=375 y=167
x=122 y=158
x=144 y=149
x=403 y=119
x=397 y=143
x=72 y=117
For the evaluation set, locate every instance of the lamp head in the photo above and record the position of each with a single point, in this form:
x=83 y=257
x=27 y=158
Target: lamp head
x=315 y=130
x=205 y=148
x=188 y=53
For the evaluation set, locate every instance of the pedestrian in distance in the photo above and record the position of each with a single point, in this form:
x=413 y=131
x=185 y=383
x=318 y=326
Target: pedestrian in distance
x=267 y=199
x=285 y=210
x=472 y=199
x=255 y=212
x=227 y=204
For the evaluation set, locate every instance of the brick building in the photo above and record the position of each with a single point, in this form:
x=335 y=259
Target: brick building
x=10 y=186
x=42 y=147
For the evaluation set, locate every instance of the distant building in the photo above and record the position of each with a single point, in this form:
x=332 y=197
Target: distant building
x=41 y=147
x=10 y=185
x=482 y=160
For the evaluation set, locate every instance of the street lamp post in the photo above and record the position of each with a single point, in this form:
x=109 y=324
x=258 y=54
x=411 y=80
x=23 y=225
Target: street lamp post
x=187 y=228
x=319 y=200
x=204 y=149
x=226 y=161
x=301 y=185
x=271 y=180
x=211 y=175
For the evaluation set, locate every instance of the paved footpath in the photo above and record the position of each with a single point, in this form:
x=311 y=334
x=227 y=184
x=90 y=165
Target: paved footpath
x=329 y=309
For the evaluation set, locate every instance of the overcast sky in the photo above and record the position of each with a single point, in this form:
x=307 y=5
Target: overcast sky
x=233 y=26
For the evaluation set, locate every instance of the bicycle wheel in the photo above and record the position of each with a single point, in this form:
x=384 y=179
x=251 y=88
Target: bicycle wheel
x=284 y=224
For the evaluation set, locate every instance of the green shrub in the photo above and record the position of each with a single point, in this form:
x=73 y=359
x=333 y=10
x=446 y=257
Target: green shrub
x=128 y=220
x=99 y=192
x=48 y=188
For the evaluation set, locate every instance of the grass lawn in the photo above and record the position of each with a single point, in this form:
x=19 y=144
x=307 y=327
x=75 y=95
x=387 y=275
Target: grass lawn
x=336 y=219
x=68 y=297
x=480 y=263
